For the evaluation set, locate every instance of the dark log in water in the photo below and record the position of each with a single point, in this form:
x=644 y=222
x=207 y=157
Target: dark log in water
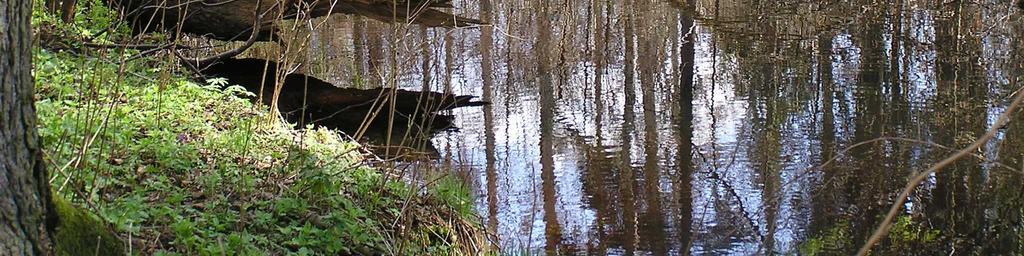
x=305 y=100
x=234 y=20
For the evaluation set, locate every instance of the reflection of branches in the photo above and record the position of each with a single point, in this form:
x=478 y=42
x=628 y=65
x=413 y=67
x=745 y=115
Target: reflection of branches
x=739 y=201
x=799 y=176
x=929 y=143
x=846 y=150
x=883 y=228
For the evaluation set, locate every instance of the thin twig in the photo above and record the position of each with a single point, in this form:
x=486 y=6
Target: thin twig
x=137 y=46
x=883 y=228
x=253 y=36
x=846 y=150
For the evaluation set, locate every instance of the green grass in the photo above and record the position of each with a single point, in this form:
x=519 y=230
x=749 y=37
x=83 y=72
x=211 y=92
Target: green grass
x=185 y=168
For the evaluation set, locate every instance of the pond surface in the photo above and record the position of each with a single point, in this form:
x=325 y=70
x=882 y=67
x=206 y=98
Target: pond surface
x=721 y=127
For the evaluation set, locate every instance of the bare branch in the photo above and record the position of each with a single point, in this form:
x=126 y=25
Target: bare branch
x=883 y=228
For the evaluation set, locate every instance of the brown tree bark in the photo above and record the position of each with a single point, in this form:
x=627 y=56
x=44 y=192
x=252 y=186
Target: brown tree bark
x=68 y=10
x=233 y=20
x=64 y=8
x=27 y=219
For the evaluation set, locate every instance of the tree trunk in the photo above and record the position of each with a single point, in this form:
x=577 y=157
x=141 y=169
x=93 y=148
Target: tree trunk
x=68 y=10
x=27 y=219
x=234 y=20
x=63 y=8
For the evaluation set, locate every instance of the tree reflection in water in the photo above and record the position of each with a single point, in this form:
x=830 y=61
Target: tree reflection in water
x=678 y=127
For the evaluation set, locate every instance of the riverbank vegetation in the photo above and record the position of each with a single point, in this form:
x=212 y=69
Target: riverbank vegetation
x=185 y=166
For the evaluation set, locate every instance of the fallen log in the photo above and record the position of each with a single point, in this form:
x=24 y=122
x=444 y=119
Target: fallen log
x=307 y=100
x=235 y=20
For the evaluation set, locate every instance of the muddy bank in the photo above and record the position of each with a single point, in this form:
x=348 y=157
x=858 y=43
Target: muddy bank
x=363 y=113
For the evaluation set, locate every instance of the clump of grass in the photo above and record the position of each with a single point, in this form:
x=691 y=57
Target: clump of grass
x=180 y=167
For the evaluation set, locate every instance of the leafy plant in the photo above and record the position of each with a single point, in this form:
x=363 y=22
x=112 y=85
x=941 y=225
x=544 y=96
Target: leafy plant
x=181 y=167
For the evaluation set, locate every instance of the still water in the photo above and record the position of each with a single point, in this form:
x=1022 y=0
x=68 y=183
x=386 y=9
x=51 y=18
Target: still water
x=716 y=127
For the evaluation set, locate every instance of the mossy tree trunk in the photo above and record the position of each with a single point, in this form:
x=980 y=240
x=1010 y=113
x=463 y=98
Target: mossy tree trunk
x=27 y=219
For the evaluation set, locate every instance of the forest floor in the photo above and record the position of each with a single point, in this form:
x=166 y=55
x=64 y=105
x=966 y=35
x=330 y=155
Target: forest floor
x=179 y=167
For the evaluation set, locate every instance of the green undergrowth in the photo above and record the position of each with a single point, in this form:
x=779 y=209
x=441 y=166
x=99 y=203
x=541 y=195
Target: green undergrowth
x=178 y=167
x=905 y=235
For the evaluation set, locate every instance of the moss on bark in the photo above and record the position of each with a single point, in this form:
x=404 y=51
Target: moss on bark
x=81 y=233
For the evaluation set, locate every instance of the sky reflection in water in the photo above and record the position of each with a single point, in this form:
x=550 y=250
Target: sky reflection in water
x=580 y=151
